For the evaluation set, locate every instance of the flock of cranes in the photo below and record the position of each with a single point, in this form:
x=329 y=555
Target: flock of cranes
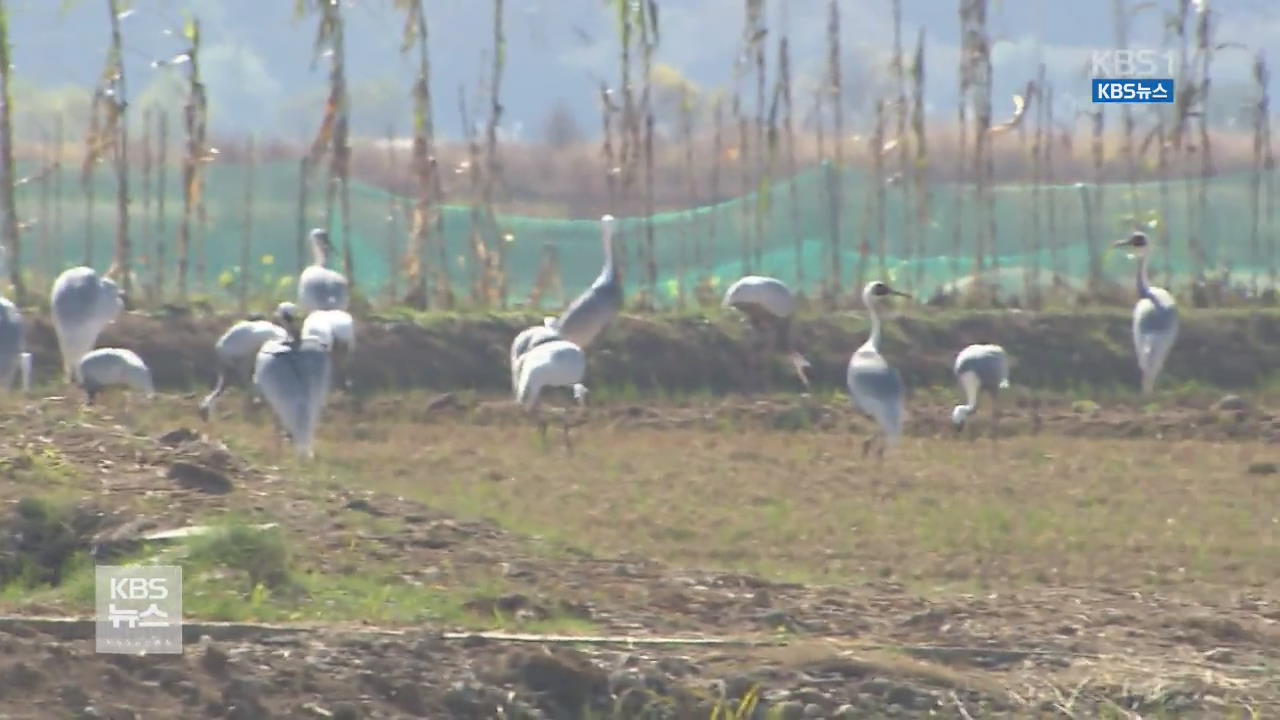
x=291 y=360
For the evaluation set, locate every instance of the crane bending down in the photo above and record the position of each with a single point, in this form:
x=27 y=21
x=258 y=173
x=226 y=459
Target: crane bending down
x=1155 y=317
x=876 y=388
x=82 y=304
x=528 y=339
x=336 y=330
x=113 y=367
x=980 y=368
x=555 y=363
x=235 y=352
x=593 y=310
x=293 y=377
x=320 y=288
x=769 y=306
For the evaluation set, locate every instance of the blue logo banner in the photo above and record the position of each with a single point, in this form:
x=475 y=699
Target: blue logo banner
x=1133 y=90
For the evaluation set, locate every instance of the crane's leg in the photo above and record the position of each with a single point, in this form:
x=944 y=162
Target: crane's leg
x=866 y=444
x=995 y=415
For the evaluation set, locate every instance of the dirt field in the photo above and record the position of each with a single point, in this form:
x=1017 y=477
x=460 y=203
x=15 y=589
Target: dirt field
x=1114 y=560
x=1084 y=353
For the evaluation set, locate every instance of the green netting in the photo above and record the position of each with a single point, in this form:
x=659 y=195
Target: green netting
x=707 y=241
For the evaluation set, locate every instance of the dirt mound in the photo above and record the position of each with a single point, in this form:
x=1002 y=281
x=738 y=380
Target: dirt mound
x=692 y=353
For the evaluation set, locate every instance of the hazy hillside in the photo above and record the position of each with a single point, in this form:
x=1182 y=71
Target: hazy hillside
x=257 y=56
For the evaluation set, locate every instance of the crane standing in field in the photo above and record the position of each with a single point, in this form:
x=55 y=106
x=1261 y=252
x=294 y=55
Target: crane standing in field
x=320 y=288
x=82 y=304
x=876 y=388
x=235 y=352
x=293 y=376
x=769 y=306
x=1155 y=317
x=554 y=363
x=589 y=314
x=979 y=368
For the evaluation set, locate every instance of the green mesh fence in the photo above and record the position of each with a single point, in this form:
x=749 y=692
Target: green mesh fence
x=793 y=223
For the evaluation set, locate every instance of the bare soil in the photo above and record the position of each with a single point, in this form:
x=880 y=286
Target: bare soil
x=867 y=649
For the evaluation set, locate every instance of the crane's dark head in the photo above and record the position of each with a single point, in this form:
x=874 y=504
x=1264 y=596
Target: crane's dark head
x=287 y=316
x=320 y=237
x=1136 y=242
x=877 y=289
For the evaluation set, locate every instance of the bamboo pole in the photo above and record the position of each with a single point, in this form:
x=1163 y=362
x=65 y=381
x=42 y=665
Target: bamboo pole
x=300 y=235
x=60 y=253
x=122 y=262
x=717 y=149
x=835 y=183
x=192 y=162
x=492 y=168
x=897 y=66
x=8 y=205
x=148 y=163
x=246 y=237
x=162 y=191
x=920 y=169
x=392 y=237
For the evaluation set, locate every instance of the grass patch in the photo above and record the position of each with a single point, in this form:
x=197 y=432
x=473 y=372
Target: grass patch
x=242 y=573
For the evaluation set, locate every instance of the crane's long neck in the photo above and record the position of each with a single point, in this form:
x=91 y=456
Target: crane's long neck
x=874 y=339
x=1144 y=284
x=319 y=255
x=609 y=272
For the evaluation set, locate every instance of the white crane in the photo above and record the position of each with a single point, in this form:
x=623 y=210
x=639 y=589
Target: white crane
x=113 y=367
x=875 y=386
x=336 y=330
x=980 y=368
x=293 y=377
x=320 y=288
x=235 y=352
x=769 y=306
x=1155 y=317
x=82 y=304
x=556 y=363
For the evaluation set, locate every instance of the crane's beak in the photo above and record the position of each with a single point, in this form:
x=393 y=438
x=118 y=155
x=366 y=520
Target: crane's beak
x=899 y=293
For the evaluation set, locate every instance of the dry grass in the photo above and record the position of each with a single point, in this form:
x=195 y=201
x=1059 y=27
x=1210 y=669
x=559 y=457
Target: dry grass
x=939 y=514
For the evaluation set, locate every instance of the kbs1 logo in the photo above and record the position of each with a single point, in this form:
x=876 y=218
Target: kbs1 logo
x=1133 y=76
x=139 y=609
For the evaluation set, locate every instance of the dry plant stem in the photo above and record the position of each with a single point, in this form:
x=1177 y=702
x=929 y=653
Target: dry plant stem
x=835 y=181
x=246 y=235
x=8 y=207
x=194 y=113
